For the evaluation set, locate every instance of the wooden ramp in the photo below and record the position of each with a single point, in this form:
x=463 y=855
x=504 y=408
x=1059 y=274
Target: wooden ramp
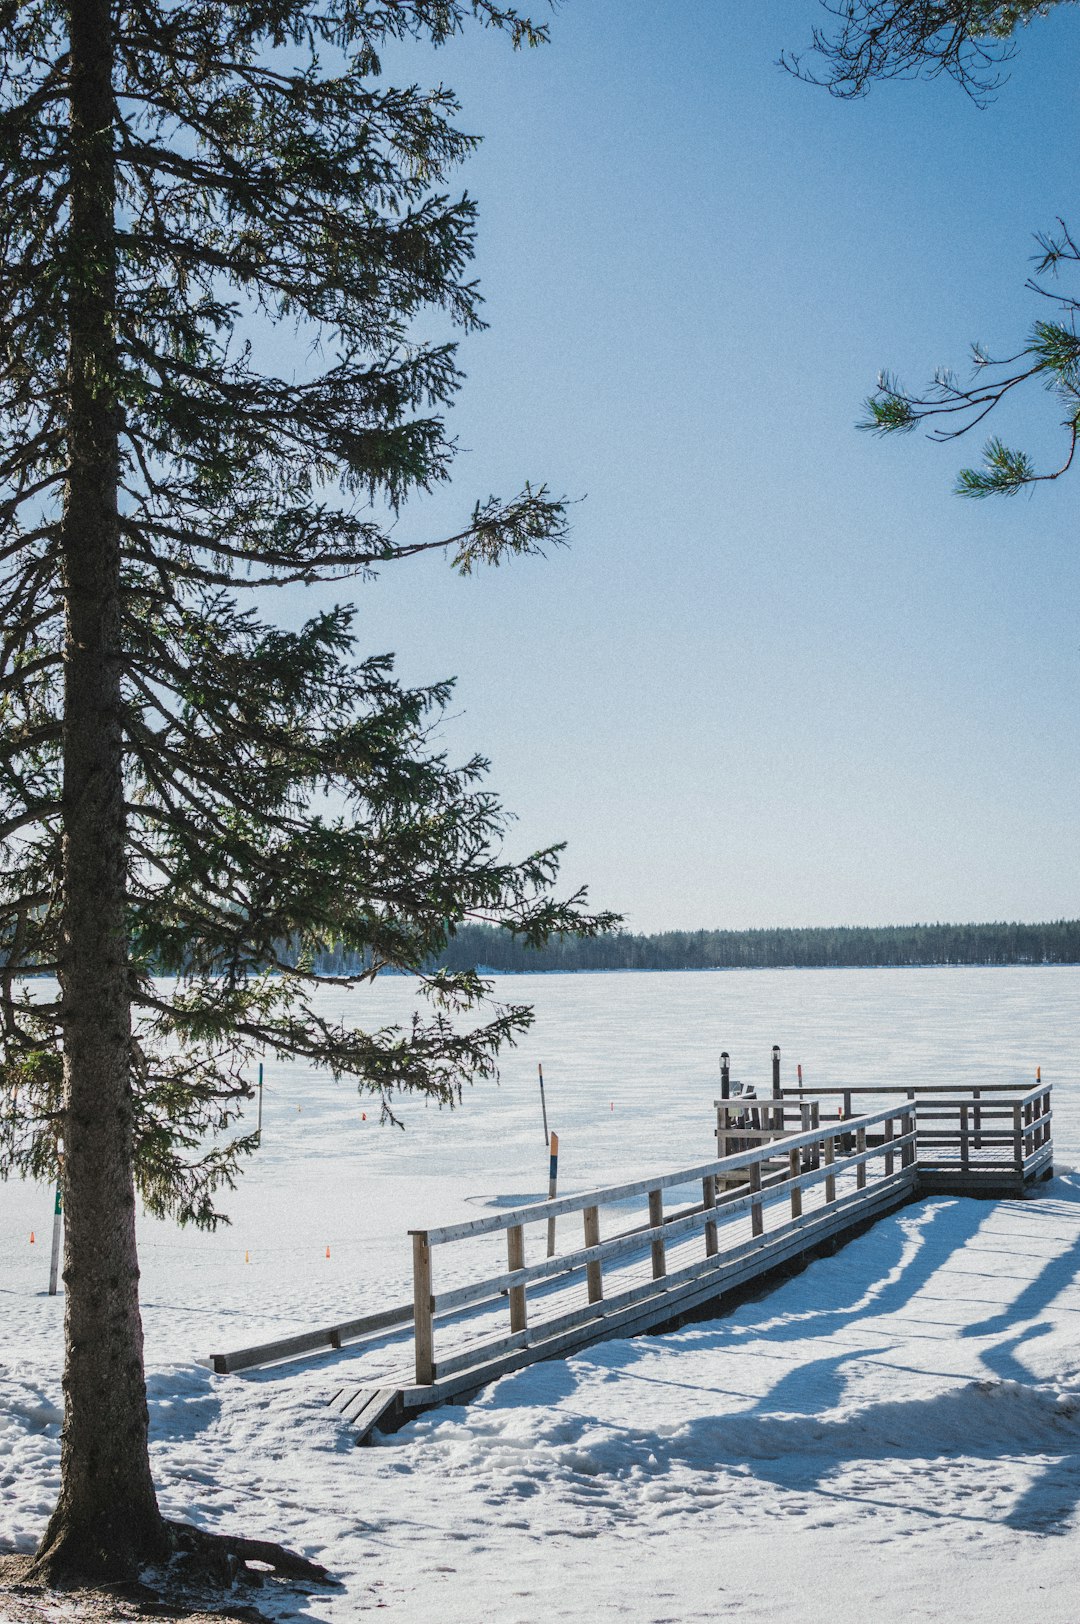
x=651 y=1253
x=795 y=1197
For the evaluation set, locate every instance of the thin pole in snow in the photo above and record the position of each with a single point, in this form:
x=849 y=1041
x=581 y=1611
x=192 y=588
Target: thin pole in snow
x=778 y=1110
x=543 y=1104
x=259 y=1130
x=553 y=1179
x=54 y=1263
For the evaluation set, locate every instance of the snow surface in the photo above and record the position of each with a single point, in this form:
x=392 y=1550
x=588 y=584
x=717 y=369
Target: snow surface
x=893 y=1434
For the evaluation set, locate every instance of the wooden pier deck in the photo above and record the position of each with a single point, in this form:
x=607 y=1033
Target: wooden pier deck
x=641 y=1256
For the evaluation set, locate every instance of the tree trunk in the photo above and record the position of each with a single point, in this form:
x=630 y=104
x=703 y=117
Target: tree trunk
x=106 y=1523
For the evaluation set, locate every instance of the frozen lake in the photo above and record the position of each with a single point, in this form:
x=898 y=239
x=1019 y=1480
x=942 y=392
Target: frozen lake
x=631 y=1070
x=910 y=1408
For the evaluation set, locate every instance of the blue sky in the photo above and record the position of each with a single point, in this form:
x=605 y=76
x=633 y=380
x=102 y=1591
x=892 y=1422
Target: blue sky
x=782 y=675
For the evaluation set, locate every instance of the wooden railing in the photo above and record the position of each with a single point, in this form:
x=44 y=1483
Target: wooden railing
x=880 y=1159
x=992 y=1128
x=974 y=1134
x=992 y=1140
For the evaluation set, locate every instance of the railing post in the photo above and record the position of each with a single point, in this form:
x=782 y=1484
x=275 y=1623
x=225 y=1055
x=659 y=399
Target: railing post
x=808 y=1151
x=594 y=1272
x=907 y=1153
x=1029 y=1137
x=846 y=1143
x=830 y=1153
x=815 y=1124
x=708 y=1199
x=890 y=1135
x=794 y=1163
x=515 y=1258
x=912 y=1123
x=860 y=1171
x=757 y=1216
x=976 y=1095
x=423 y=1328
x=965 y=1155
x=1018 y=1139
x=656 y=1218
x=721 y=1131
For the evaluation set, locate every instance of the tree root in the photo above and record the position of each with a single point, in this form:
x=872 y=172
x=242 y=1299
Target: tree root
x=218 y=1559
x=203 y=1578
x=27 y=1598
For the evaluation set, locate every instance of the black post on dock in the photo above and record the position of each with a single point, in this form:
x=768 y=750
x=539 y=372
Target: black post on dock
x=725 y=1076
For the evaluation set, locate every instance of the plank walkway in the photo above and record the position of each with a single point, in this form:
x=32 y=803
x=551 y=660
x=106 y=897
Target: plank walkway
x=648 y=1254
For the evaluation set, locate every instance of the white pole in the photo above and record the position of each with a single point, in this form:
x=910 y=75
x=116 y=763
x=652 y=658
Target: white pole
x=55 y=1263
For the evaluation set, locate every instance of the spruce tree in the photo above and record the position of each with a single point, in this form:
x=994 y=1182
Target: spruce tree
x=187 y=790
x=970 y=41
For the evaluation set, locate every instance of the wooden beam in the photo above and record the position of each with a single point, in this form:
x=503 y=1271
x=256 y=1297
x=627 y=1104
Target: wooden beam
x=794 y=1157
x=708 y=1199
x=515 y=1257
x=757 y=1217
x=656 y=1219
x=594 y=1272
x=423 y=1330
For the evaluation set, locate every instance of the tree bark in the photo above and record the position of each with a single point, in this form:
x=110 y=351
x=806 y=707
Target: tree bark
x=106 y=1523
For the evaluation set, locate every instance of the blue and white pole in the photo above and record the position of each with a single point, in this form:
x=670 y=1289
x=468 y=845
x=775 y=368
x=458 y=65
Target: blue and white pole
x=553 y=1179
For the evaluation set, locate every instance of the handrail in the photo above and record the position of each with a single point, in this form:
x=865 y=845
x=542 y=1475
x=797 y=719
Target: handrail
x=912 y=1090
x=634 y=1240
x=469 y=1228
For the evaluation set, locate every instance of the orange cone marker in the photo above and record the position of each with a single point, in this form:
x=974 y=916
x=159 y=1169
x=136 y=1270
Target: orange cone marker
x=328 y=1251
x=31 y=1237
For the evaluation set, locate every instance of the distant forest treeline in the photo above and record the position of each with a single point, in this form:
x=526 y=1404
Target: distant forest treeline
x=840 y=946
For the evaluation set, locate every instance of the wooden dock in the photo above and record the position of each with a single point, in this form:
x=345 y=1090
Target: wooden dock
x=793 y=1178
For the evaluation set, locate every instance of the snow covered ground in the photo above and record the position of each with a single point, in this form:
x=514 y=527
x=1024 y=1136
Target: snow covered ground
x=894 y=1434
